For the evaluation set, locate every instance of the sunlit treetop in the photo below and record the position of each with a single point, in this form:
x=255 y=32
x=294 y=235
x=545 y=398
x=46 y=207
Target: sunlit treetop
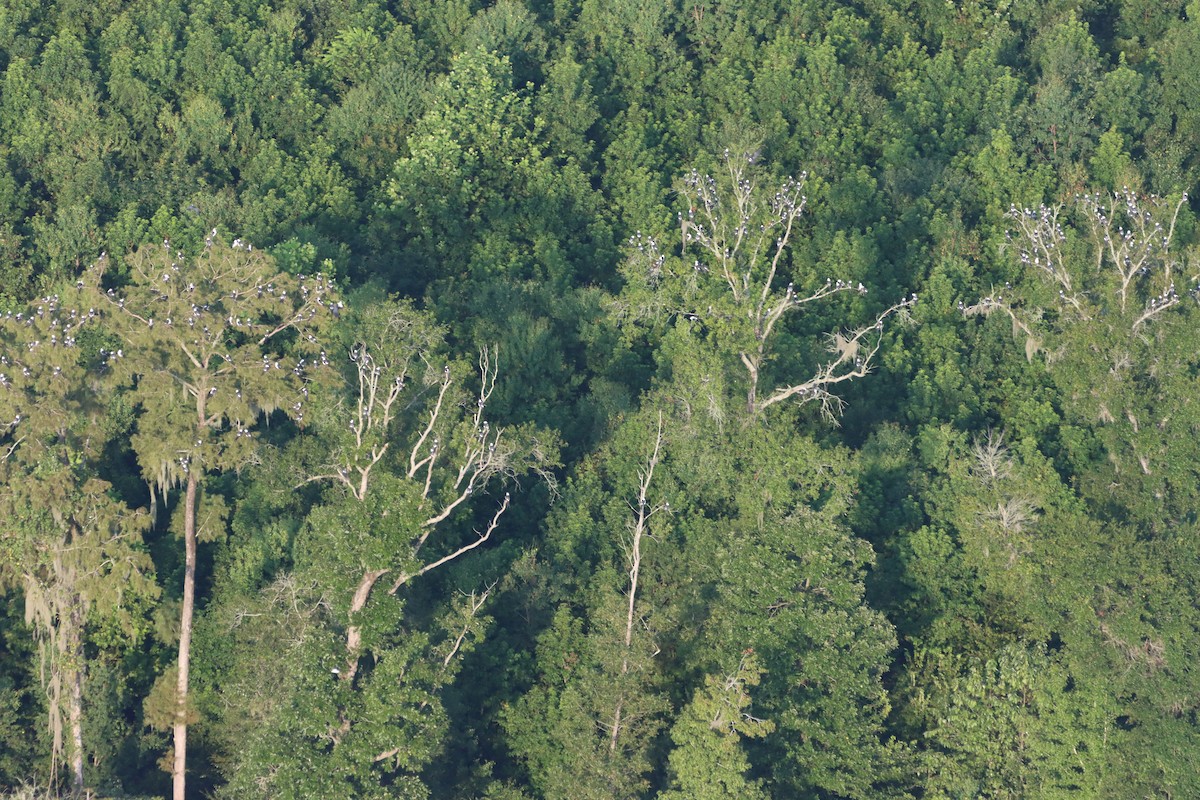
x=212 y=341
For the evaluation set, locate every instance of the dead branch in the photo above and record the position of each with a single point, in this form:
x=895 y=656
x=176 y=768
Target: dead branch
x=642 y=514
x=853 y=353
x=483 y=456
x=483 y=537
x=993 y=303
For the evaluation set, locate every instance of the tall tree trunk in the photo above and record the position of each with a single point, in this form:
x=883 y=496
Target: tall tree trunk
x=640 y=526
x=185 y=637
x=75 y=686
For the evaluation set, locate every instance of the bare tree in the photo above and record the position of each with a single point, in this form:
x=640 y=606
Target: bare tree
x=1131 y=240
x=735 y=239
x=1130 y=237
x=639 y=529
x=992 y=461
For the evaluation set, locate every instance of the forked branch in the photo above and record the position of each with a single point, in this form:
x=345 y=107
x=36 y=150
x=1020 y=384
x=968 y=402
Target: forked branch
x=853 y=353
x=482 y=537
x=484 y=453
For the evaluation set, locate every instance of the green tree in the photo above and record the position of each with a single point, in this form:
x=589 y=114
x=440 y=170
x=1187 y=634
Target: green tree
x=786 y=578
x=212 y=342
x=747 y=553
x=1014 y=726
x=1061 y=128
x=75 y=549
x=407 y=454
x=500 y=235
x=1173 y=164
x=708 y=762
x=587 y=727
x=477 y=192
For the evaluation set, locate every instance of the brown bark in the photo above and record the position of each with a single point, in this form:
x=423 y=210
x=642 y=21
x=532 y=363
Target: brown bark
x=185 y=638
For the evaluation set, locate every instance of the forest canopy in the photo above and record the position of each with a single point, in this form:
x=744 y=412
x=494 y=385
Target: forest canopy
x=546 y=399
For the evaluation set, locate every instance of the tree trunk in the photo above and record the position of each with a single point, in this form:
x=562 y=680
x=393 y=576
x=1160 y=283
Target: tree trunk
x=752 y=391
x=640 y=526
x=354 y=632
x=185 y=637
x=75 y=684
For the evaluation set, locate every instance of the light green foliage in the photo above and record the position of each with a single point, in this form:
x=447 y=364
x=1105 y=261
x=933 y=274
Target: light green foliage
x=499 y=233
x=1129 y=626
x=1175 y=167
x=385 y=94
x=1004 y=176
x=212 y=342
x=352 y=54
x=708 y=762
x=828 y=128
x=566 y=110
x=1111 y=165
x=215 y=341
x=1015 y=725
x=74 y=550
x=629 y=43
x=473 y=131
x=509 y=29
x=1122 y=99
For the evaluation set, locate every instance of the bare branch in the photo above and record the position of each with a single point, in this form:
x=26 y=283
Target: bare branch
x=483 y=454
x=476 y=603
x=744 y=235
x=853 y=353
x=1128 y=234
x=766 y=318
x=993 y=303
x=642 y=514
x=354 y=632
x=992 y=462
x=413 y=463
x=483 y=537
x=1157 y=305
x=1041 y=243
x=12 y=448
x=370 y=419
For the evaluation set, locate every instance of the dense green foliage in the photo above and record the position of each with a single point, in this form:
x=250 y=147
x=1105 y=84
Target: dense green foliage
x=600 y=399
